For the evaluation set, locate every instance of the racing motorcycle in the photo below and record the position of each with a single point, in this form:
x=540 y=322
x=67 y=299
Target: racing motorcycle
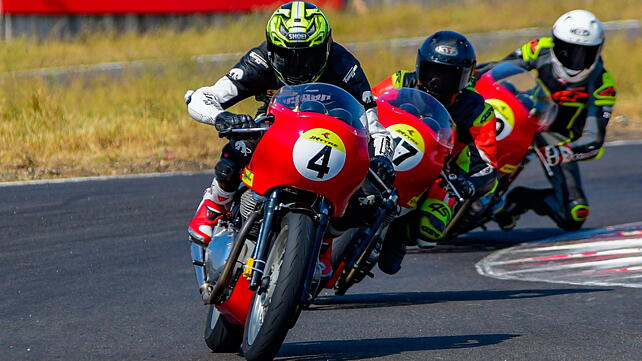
x=261 y=267
x=423 y=135
x=523 y=108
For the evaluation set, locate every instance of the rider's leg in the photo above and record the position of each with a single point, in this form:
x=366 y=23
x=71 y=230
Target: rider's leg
x=360 y=211
x=218 y=196
x=423 y=226
x=567 y=205
x=394 y=244
x=565 y=202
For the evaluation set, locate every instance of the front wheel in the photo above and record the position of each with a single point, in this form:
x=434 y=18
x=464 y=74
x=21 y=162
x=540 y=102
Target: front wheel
x=274 y=310
x=221 y=335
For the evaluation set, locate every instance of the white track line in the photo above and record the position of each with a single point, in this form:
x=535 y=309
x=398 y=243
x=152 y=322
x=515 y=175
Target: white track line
x=572 y=256
x=611 y=263
x=590 y=246
x=100 y=178
x=578 y=268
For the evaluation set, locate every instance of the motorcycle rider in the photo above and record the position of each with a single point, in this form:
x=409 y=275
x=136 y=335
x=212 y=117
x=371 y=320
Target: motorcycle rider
x=570 y=65
x=445 y=62
x=298 y=49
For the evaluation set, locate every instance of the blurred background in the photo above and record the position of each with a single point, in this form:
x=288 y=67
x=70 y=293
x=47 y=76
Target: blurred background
x=96 y=87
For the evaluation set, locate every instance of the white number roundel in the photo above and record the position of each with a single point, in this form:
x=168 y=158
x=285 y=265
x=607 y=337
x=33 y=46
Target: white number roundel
x=504 y=116
x=409 y=146
x=319 y=154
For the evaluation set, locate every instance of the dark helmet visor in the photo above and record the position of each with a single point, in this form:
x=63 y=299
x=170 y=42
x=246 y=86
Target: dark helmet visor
x=442 y=80
x=575 y=56
x=299 y=66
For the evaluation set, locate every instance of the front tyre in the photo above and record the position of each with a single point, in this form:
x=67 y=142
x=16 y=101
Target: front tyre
x=221 y=335
x=273 y=311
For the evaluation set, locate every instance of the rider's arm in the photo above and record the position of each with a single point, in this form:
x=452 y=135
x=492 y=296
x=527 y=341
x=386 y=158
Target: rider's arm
x=396 y=80
x=476 y=127
x=355 y=82
x=483 y=156
x=600 y=106
x=248 y=77
x=524 y=57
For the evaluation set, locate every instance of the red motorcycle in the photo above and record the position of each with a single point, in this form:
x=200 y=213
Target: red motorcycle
x=523 y=108
x=261 y=267
x=423 y=135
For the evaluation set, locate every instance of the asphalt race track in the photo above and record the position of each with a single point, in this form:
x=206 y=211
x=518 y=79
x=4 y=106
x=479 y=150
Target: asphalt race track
x=101 y=270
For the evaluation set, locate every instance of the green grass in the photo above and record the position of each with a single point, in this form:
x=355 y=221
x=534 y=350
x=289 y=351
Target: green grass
x=139 y=124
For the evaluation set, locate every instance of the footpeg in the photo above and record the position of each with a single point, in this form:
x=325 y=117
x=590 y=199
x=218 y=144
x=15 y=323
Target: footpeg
x=206 y=292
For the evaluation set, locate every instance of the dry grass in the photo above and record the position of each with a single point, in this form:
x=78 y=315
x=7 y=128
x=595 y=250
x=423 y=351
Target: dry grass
x=377 y=23
x=139 y=124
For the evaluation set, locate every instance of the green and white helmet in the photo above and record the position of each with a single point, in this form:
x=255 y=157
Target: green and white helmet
x=298 y=42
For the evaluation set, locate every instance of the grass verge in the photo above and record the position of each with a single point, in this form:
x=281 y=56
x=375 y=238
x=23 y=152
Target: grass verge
x=137 y=123
x=348 y=26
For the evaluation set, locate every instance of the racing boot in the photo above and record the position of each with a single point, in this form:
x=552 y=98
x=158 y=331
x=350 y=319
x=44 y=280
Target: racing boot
x=518 y=201
x=393 y=249
x=209 y=211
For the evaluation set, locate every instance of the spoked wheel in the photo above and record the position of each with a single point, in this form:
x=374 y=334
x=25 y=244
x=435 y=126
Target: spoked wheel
x=221 y=335
x=274 y=310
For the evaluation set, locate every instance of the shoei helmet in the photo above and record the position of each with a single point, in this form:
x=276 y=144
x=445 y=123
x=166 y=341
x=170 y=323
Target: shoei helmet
x=577 y=40
x=298 y=42
x=445 y=63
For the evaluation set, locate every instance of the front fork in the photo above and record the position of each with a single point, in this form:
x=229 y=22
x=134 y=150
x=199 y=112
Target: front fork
x=263 y=242
x=322 y=220
x=272 y=206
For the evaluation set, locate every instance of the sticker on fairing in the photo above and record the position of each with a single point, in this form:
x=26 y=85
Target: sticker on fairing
x=319 y=154
x=504 y=116
x=409 y=146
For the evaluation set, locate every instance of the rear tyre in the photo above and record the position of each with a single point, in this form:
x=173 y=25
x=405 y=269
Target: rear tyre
x=341 y=244
x=221 y=335
x=273 y=311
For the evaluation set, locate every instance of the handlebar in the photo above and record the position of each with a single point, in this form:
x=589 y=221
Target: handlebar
x=452 y=187
x=262 y=122
x=379 y=182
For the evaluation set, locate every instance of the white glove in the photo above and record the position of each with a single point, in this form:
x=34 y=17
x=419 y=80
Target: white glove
x=557 y=154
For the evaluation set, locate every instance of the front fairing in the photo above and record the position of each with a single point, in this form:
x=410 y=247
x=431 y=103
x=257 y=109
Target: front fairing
x=423 y=135
x=523 y=108
x=317 y=143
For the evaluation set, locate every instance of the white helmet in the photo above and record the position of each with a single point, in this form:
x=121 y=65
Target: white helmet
x=577 y=40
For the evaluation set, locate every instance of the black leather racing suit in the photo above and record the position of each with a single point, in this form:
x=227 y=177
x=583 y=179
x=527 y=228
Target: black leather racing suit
x=254 y=76
x=474 y=157
x=584 y=111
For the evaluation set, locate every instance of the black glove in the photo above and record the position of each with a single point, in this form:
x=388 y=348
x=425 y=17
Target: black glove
x=227 y=120
x=384 y=169
x=463 y=184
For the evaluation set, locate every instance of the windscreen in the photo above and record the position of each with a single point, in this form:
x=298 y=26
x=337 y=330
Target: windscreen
x=530 y=91
x=324 y=99
x=426 y=108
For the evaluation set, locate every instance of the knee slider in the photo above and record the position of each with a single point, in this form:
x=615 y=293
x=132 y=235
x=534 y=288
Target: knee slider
x=434 y=216
x=227 y=174
x=575 y=215
x=579 y=211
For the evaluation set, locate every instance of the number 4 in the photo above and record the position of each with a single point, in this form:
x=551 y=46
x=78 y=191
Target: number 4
x=319 y=163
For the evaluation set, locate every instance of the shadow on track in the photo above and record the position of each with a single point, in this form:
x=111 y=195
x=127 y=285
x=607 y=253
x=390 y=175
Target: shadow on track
x=488 y=241
x=379 y=300
x=359 y=349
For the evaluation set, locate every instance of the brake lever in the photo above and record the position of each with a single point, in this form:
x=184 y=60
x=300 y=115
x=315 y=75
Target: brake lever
x=451 y=186
x=378 y=180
